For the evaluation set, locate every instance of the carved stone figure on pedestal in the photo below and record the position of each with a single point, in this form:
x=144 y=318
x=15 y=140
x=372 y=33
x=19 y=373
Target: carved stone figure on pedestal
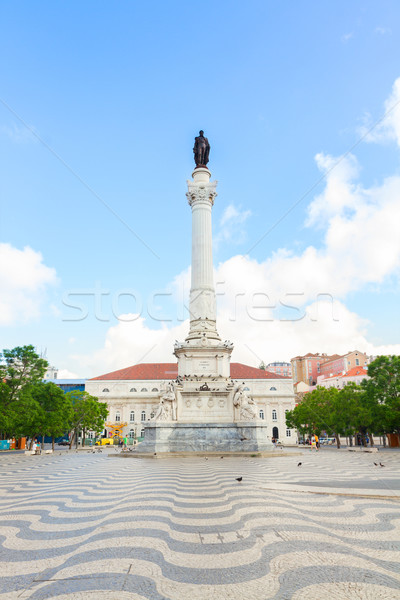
x=166 y=410
x=201 y=150
x=246 y=405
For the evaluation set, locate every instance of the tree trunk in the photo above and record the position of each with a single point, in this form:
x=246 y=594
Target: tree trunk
x=371 y=440
x=72 y=439
x=384 y=440
x=52 y=443
x=351 y=441
x=337 y=441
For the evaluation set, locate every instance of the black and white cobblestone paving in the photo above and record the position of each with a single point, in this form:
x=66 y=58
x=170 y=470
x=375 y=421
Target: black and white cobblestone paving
x=88 y=526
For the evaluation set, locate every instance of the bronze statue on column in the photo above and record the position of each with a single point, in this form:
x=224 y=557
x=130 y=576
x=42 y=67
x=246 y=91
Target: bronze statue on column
x=201 y=150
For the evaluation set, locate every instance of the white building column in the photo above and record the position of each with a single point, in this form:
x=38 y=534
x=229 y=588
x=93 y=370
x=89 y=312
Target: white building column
x=201 y=194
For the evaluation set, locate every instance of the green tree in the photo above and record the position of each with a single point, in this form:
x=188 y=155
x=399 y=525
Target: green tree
x=20 y=369
x=384 y=389
x=86 y=413
x=56 y=410
x=315 y=413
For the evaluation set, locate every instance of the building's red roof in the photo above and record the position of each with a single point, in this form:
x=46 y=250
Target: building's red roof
x=149 y=371
x=356 y=371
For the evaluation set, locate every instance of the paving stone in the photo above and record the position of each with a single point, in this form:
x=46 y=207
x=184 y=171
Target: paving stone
x=84 y=526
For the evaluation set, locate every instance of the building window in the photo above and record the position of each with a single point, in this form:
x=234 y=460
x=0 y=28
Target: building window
x=133 y=390
x=272 y=389
x=154 y=390
x=357 y=362
x=132 y=433
x=143 y=415
x=261 y=414
x=141 y=432
x=132 y=416
x=143 y=390
x=90 y=435
x=288 y=433
x=105 y=390
x=274 y=416
x=117 y=416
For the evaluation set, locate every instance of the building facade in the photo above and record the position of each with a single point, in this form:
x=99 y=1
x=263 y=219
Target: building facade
x=355 y=375
x=280 y=368
x=341 y=364
x=133 y=395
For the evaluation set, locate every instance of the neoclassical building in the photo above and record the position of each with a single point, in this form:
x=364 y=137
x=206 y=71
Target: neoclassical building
x=133 y=395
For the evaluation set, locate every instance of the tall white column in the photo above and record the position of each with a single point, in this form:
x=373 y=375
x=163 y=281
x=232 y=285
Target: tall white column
x=201 y=194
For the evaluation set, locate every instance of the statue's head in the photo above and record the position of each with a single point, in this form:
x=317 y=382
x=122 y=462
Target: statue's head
x=201 y=132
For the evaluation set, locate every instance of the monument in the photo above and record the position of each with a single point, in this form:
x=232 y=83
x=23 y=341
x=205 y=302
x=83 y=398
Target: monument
x=204 y=409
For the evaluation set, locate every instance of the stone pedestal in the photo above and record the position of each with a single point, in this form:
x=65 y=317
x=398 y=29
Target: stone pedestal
x=204 y=437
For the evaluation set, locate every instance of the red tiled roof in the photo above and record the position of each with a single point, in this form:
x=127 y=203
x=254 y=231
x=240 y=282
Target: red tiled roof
x=356 y=371
x=149 y=371
x=240 y=371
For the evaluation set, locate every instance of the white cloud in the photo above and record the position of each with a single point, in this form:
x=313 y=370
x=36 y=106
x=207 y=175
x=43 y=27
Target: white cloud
x=387 y=129
x=23 y=281
x=20 y=134
x=383 y=30
x=231 y=226
x=66 y=374
x=346 y=37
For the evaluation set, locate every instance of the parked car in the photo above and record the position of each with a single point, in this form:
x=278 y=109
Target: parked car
x=63 y=443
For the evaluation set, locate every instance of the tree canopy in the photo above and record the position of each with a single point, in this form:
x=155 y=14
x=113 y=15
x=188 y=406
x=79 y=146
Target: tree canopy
x=370 y=408
x=30 y=407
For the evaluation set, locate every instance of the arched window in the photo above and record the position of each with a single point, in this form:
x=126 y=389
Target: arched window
x=117 y=416
x=154 y=390
x=105 y=390
x=141 y=432
x=261 y=414
x=143 y=390
x=133 y=390
x=131 y=433
x=275 y=433
x=272 y=389
x=90 y=435
x=143 y=415
x=132 y=416
x=274 y=415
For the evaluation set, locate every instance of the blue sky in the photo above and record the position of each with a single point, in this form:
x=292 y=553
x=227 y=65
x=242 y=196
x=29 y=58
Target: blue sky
x=100 y=103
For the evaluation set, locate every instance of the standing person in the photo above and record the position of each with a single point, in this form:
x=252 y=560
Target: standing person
x=313 y=443
x=274 y=443
x=316 y=442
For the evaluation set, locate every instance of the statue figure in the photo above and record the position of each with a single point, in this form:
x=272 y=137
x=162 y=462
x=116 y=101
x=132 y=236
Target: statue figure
x=166 y=410
x=201 y=150
x=246 y=405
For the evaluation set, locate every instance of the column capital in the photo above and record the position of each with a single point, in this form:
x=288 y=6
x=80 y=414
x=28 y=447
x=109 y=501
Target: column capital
x=201 y=192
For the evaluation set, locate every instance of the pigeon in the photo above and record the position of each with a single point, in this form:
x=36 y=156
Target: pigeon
x=242 y=439
x=299 y=464
x=222 y=457
x=239 y=479
x=381 y=464
x=376 y=464
x=206 y=457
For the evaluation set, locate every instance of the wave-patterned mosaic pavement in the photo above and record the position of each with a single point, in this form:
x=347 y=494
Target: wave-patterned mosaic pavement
x=88 y=526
